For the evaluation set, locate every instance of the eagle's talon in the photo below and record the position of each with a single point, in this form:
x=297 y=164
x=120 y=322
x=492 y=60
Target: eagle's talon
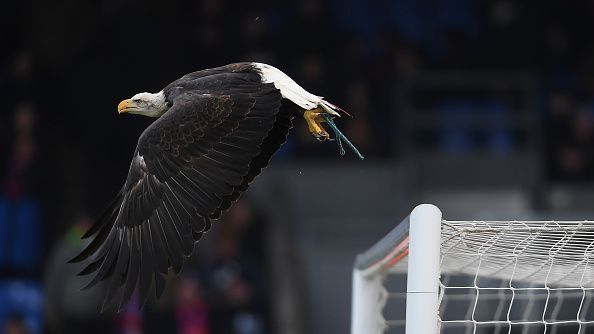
x=322 y=137
x=314 y=123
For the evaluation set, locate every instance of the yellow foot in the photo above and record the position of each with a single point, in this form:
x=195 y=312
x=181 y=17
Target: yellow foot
x=314 y=123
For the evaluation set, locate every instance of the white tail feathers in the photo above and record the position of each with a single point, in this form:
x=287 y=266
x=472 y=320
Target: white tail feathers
x=331 y=108
x=292 y=91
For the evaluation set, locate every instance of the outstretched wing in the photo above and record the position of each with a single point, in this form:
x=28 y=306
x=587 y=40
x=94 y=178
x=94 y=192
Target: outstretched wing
x=189 y=165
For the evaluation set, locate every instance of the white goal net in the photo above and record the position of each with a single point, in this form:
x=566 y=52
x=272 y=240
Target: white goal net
x=430 y=275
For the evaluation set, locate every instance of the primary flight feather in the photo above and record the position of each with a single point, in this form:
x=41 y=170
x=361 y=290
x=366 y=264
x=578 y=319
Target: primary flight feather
x=216 y=130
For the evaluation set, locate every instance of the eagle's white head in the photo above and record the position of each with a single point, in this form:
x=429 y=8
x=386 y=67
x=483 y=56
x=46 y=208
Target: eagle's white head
x=147 y=104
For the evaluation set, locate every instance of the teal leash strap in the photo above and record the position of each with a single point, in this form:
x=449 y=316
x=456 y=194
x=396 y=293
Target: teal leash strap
x=339 y=136
x=339 y=142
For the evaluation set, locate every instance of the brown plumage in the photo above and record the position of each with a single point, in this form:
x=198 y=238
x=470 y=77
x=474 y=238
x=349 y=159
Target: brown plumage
x=217 y=129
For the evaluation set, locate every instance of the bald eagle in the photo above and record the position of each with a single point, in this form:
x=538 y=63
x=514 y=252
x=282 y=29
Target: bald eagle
x=216 y=130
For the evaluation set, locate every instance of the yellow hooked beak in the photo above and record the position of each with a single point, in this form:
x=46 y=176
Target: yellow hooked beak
x=124 y=106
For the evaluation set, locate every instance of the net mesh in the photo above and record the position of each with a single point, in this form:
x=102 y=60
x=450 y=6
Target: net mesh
x=510 y=277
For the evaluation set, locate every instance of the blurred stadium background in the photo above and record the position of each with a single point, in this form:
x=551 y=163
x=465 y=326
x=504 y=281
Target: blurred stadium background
x=484 y=108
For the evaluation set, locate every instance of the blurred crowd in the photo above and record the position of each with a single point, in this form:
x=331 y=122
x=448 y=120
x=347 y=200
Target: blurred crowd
x=65 y=65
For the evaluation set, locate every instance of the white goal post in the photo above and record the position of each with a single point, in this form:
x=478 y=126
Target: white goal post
x=477 y=277
x=418 y=238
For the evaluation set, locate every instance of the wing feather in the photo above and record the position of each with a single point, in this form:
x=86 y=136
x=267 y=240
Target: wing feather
x=131 y=277
x=159 y=247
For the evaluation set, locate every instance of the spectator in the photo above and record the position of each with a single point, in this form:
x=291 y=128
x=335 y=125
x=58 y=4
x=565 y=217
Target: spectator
x=20 y=226
x=235 y=280
x=191 y=308
x=15 y=325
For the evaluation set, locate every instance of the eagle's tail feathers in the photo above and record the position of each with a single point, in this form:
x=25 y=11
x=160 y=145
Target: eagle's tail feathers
x=289 y=89
x=332 y=108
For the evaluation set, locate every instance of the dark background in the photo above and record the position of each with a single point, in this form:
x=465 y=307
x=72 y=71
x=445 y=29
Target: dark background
x=484 y=108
